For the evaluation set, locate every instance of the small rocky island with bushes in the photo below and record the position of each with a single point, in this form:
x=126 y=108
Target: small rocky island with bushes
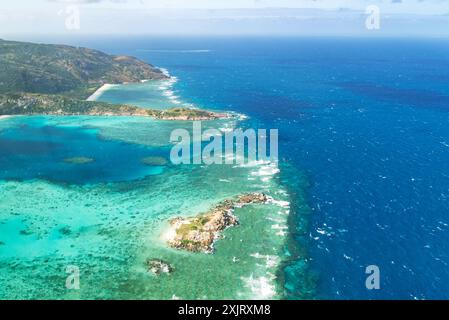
x=198 y=234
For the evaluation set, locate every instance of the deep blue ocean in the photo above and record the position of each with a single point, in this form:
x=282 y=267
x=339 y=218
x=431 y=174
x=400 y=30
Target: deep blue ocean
x=366 y=121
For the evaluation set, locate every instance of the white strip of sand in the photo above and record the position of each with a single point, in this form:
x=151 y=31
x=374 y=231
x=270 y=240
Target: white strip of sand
x=97 y=94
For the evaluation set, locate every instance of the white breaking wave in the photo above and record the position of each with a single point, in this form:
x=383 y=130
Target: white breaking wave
x=167 y=89
x=281 y=203
x=227 y=129
x=165 y=72
x=284 y=213
x=266 y=170
x=278 y=226
x=249 y=164
x=261 y=287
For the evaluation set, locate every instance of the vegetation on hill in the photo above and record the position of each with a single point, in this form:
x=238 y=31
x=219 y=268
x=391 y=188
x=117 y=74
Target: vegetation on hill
x=44 y=79
x=44 y=104
x=71 y=71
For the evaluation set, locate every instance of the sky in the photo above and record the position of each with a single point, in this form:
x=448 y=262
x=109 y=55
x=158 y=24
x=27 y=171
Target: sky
x=227 y=17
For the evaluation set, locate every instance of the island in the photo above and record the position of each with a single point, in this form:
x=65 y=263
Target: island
x=58 y=105
x=199 y=233
x=45 y=79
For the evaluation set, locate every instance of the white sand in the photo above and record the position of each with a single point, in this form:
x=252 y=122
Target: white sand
x=100 y=91
x=169 y=231
x=4 y=117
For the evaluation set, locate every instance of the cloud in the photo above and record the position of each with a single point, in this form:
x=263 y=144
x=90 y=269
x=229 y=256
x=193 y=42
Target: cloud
x=140 y=17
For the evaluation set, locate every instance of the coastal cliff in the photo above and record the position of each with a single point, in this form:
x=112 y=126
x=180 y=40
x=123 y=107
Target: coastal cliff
x=198 y=234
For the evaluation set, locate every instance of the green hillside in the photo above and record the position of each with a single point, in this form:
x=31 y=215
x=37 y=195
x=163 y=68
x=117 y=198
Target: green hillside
x=71 y=71
x=42 y=79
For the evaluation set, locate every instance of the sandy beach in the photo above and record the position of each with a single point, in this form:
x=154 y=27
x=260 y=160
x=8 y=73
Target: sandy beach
x=4 y=117
x=100 y=91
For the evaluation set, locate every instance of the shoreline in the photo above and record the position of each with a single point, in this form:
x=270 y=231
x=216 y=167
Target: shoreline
x=167 y=91
x=99 y=92
x=199 y=233
x=4 y=117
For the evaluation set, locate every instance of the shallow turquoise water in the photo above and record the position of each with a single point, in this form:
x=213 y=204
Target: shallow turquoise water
x=109 y=216
x=150 y=94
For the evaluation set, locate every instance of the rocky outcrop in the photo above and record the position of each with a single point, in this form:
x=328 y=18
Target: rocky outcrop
x=184 y=114
x=157 y=266
x=198 y=234
x=252 y=198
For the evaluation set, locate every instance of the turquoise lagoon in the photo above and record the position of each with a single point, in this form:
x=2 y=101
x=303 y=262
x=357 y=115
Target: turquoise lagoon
x=109 y=216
